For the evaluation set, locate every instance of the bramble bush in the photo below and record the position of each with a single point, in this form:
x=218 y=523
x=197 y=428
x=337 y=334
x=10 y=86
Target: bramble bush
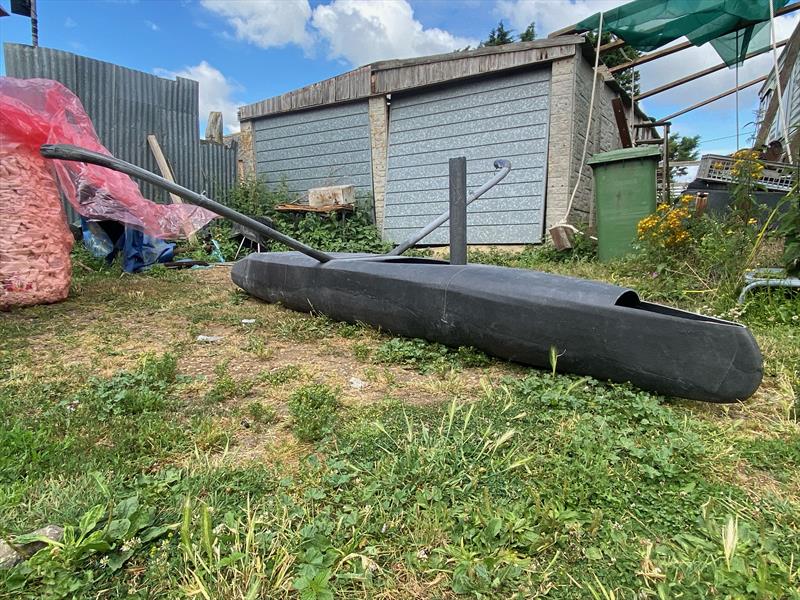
x=354 y=232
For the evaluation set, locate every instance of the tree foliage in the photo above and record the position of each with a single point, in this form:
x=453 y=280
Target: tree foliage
x=529 y=34
x=499 y=35
x=616 y=57
x=682 y=147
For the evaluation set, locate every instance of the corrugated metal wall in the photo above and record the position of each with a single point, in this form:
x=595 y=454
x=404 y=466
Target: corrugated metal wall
x=125 y=106
x=217 y=168
x=483 y=119
x=314 y=148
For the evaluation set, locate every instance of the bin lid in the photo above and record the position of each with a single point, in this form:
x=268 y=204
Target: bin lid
x=602 y=158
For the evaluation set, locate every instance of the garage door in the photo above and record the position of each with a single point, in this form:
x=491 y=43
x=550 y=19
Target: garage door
x=483 y=120
x=314 y=148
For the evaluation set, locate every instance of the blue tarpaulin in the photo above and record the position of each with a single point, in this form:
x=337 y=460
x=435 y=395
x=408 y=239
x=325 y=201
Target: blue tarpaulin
x=106 y=239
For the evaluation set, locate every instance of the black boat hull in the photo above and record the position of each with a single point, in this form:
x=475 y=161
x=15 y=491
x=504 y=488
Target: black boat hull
x=600 y=330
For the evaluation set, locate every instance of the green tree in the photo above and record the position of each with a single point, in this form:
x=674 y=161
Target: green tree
x=682 y=147
x=529 y=34
x=616 y=57
x=499 y=36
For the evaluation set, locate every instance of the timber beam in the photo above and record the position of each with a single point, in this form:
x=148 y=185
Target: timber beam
x=715 y=98
x=699 y=74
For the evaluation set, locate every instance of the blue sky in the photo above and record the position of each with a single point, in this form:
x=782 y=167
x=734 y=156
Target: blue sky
x=242 y=51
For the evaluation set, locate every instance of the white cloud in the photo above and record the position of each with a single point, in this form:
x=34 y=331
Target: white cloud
x=362 y=32
x=152 y=26
x=266 y=23
x=550 y=15
x=357 y=31
x=216 y=92
x=70 y=23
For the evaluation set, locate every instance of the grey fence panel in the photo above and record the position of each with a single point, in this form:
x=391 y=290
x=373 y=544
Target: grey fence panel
x=126 y=106
x=218 y=169
x=313 y=148
x=483 y=119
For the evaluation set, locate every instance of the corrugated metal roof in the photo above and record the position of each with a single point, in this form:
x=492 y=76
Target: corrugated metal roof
x=386 y=77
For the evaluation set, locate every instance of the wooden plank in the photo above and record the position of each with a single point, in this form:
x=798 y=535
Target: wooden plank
x=645 y=58
x=714 y=98
x=699 y=74
x=622 y=123
x=166 y=171
x=163 y=165
x=563 y=31
x=305 y=208
x=618 y=43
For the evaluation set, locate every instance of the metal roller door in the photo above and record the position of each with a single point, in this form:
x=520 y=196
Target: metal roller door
x=314 y=148
x=485 y=119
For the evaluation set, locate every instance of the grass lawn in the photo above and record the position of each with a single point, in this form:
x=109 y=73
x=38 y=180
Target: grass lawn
x=299 y=457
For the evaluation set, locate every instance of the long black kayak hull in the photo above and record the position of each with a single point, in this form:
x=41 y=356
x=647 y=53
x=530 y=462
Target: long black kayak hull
x=598 y=329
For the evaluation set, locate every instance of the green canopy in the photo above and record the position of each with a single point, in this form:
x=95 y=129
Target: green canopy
x=734 y=27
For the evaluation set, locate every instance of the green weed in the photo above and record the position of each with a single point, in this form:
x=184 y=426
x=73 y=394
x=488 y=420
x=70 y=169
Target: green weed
x=263 y=414
x=281 y=375
x=429 y=356
x=313 y=409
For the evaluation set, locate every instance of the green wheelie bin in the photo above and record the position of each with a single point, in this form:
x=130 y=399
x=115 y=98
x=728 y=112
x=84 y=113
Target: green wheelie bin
x=625 y=193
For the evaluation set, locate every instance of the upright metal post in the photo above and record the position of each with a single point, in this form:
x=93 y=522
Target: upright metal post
x=665 y=177
x=458 y=211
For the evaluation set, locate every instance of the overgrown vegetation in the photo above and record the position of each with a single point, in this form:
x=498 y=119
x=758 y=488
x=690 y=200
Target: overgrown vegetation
x=353 y=232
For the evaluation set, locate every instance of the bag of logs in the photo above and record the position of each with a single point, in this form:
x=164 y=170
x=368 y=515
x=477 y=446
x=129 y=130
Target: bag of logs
x=35 y=241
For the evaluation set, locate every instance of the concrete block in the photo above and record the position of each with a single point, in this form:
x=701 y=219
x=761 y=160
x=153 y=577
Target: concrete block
x=334 y=194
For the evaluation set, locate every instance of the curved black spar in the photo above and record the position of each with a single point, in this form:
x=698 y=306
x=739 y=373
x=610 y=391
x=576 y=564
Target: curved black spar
x=598 y=329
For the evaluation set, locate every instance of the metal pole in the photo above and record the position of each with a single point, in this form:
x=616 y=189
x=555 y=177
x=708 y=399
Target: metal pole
x=458 y=211
x=666 y=163
x=69 y=152
x=505 y=169
x=34 y=25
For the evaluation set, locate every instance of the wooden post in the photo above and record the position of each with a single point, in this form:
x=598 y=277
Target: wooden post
x=622 y=123
x=166 y=172
x=34 y=25
x=214 y=127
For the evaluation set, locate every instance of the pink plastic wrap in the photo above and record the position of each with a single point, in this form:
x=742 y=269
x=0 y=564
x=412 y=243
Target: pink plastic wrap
x=41 y=111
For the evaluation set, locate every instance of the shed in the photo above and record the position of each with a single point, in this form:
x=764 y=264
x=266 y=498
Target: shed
x=390 y=127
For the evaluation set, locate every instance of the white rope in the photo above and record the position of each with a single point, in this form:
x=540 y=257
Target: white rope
x=589 y=123
x=738 y=53
x=781 y=111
